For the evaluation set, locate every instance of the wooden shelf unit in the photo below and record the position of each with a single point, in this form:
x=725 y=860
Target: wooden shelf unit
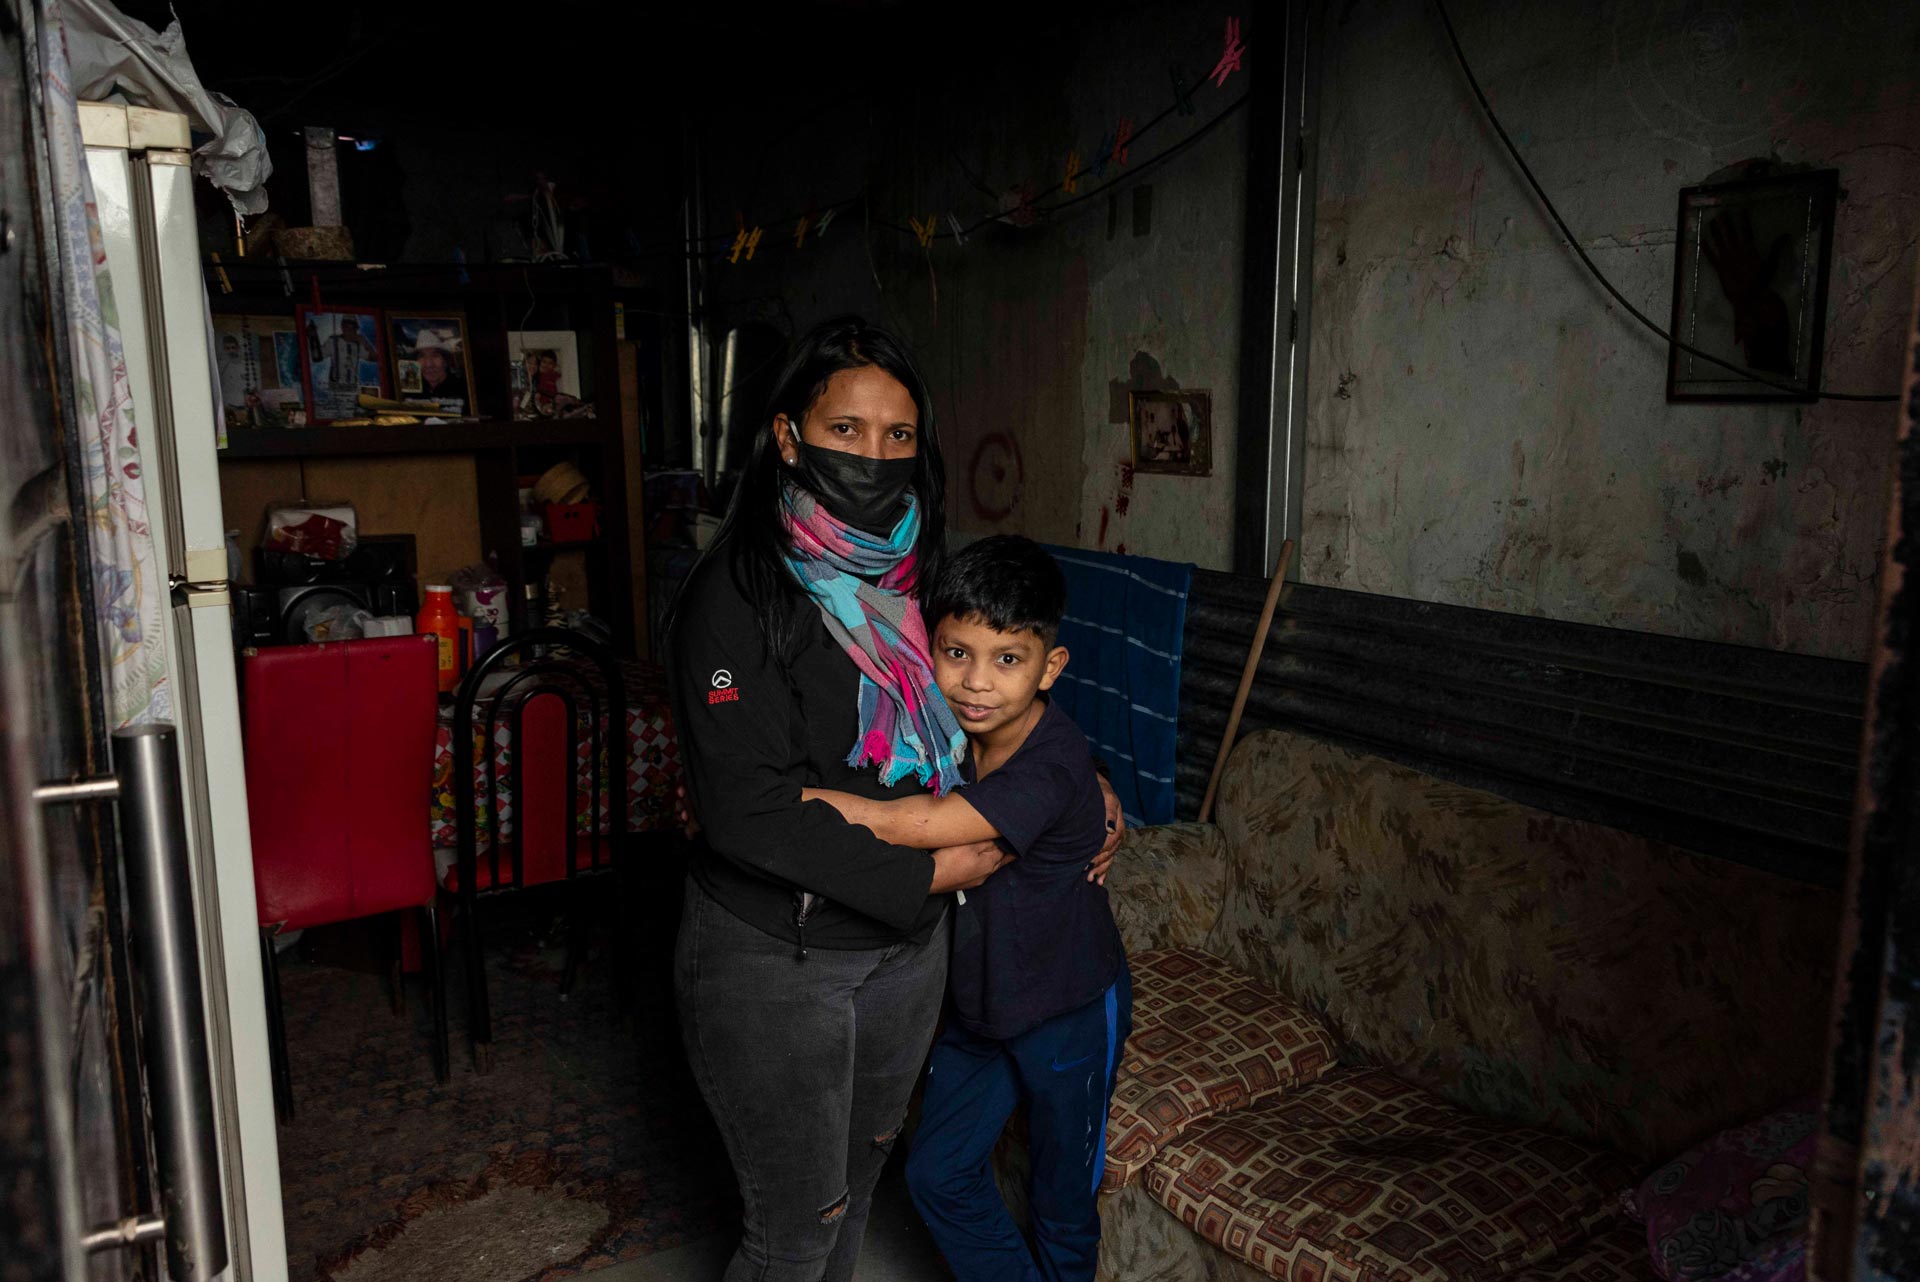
x=494 y=300
x=449 y=438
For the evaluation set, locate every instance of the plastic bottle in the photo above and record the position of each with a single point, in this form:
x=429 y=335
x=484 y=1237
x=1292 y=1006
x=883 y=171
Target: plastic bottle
x=439 y=617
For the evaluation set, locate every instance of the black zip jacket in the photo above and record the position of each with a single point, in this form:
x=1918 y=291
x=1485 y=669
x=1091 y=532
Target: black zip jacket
x=752 y=733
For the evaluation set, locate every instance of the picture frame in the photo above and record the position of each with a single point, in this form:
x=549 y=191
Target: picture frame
x=1751 y=266
x=1172 y=431
x=257 y=359
x=438 y=371
x=543 y=375
x=343 y=353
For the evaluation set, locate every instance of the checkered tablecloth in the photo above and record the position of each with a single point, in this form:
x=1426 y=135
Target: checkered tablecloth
x=653 y=765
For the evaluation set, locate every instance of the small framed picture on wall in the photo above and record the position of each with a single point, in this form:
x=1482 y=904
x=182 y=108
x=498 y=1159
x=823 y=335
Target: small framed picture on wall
x=258 y=358
x=1172 y=431
x=543 y=375
x=430 y=360
x=1750 y=271
x=342 y=355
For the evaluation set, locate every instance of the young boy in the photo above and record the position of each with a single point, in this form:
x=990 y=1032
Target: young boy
x=1041 y=998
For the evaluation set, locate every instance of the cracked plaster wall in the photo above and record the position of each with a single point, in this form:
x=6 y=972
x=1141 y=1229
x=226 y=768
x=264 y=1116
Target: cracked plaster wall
x=1484 y=428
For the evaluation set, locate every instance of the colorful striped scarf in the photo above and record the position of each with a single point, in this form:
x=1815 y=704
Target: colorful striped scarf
x=863 y=584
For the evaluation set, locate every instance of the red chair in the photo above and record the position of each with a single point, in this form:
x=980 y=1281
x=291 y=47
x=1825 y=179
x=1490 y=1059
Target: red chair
x=339 y=751
x=546 y=699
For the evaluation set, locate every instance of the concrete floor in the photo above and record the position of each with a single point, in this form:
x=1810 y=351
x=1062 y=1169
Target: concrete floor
x=897 y=1249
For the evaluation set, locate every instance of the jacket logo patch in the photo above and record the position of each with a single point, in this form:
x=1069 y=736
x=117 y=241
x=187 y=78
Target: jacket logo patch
x=728 y=695
x=722 y=679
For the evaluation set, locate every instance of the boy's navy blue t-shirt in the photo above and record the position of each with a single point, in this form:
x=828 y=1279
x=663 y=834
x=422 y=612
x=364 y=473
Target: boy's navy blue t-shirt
x=1036 y=939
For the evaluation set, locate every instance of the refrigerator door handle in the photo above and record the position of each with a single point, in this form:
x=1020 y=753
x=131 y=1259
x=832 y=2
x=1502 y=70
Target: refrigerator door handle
x=153 y=846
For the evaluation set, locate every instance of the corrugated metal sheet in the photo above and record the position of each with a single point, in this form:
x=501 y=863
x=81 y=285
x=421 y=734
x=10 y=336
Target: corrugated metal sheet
x=1741 y=753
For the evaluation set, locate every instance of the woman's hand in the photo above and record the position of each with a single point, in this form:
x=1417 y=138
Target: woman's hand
x=964 y=867
x=1116 y=828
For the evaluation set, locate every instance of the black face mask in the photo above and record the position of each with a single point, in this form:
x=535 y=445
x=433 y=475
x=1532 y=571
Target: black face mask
x=866 y=493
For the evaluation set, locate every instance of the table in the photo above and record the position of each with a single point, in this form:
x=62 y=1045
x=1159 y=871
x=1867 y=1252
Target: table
x=653 y=765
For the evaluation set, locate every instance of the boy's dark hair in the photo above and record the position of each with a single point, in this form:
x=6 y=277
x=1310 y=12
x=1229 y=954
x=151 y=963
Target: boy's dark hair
x=1006 y=581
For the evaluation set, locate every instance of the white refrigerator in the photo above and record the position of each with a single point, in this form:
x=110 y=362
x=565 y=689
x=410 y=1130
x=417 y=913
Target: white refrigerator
x=138 y=159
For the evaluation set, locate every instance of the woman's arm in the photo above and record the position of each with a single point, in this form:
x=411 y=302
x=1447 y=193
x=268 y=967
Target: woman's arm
x=925 y=822
x=733 y=711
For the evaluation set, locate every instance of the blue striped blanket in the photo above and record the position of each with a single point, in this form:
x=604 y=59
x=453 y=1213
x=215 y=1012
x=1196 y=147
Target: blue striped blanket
x=1125 y=616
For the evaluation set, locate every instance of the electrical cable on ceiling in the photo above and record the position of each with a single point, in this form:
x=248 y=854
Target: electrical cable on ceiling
x=1130 y=172
x=1032 y=201
x=1138 y=134
x=1573 y=242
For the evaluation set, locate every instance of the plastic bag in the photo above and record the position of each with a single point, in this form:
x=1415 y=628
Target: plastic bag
x=326 y=531
x=393 y=625
x=480 y=593
x=338 y=623
x=111 y=52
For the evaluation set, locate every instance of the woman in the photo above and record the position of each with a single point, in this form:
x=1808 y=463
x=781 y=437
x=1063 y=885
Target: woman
x=812 y=956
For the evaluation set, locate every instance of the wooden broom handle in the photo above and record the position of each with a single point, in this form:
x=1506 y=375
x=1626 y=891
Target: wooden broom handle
x=1254 y=652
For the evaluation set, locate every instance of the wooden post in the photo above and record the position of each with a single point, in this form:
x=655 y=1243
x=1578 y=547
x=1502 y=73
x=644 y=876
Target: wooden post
x=1254 y=651
x=1864 y=1189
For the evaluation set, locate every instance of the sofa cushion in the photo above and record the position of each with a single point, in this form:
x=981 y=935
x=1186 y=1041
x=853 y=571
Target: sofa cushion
x=1736 y=1205
x=1362 y=1177
x=1167 y=885
x=1207 y=1039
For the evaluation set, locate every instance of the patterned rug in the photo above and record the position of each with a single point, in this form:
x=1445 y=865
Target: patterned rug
x=586 y=1144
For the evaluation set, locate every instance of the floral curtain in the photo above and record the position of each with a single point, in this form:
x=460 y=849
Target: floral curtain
x=130 y=595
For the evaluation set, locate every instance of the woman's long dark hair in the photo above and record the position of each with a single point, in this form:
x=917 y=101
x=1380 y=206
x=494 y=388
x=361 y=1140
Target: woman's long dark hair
x=753 y=538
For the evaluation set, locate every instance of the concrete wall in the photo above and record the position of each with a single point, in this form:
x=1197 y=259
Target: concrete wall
x=1030 y=337
x=1484 y=428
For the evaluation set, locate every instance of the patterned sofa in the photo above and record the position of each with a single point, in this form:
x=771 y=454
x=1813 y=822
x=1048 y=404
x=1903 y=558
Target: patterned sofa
x=1392 y=1029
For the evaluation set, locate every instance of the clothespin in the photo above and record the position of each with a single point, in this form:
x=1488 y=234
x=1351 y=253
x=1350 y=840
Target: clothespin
x=1102 y=154
x=1122 y=137
x=923 y=229
x=1182 y=96
x=825 y=221
x=800 y=230
x=746 y=241
x=226 y=286
x=286 y=277
x=1230 y=56
x=959 y=237
x=1071 y=183
x=460 y=258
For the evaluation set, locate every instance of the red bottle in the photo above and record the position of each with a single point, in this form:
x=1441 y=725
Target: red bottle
x=440 y=618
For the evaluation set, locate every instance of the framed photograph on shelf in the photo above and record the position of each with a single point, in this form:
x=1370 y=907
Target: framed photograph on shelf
x=258 y=358
x=1750 y=272
x=343 y=354
x=430 y=360
x=1172 y=432
x=544 y=375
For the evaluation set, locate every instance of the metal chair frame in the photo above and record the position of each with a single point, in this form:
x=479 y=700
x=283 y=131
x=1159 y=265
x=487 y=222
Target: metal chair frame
x=545 y=675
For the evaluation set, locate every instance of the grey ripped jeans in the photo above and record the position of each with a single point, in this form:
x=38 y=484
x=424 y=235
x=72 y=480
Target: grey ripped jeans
x=807 y=1066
